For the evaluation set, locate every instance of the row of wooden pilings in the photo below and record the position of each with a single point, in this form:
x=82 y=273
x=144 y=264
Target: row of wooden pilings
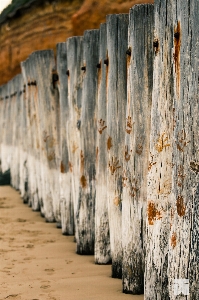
x=103 y=139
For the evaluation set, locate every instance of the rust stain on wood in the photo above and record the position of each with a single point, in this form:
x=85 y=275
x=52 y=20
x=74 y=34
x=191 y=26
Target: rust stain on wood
x=177 y=44
x=70 y=166
x=127 y=156
x=162 y=142
x=153 y=213
x=139 y=147
x=194 y=166
x=182 y=141
x=173 y=240
x=74 y=147
x=129 y=125
x=117 y=200
x=101 y=126
x=83 y=181
x=81 y=162
x=180 y=206
x=97 y=152
x=51 y=155
x=114 y=165
x=62 y=167
x=109 y=143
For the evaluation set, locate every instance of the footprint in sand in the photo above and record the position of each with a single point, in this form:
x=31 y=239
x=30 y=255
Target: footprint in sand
x=21 y=220
x=13 y=296
x=50 y=271
x=30 y=246
x=45 y=286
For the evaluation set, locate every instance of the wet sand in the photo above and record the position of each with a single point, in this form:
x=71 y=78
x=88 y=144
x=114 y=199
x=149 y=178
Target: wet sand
x=38 y=263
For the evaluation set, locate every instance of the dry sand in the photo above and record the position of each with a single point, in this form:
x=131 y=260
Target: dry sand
x=38 y=263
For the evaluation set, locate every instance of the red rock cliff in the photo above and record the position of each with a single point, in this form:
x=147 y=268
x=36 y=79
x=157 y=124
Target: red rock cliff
x=45 y=23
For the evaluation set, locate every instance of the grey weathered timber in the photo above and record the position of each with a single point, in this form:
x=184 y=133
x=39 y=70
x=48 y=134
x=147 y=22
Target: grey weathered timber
x=102 y=236
x=136 y=156
x=184 y=212
x=75 y=78
x=25 y=179
x=48 y=109
x=160 y=168
x=30 y=161
x=15 y=104
x=87 y=190
x=117 y=42
x=66 y=204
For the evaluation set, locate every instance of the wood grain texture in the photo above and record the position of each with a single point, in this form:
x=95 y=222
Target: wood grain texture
x=159 y=183
x=88 y=131
x=117 y=42
x=102 y=235
x=183 y=239
x=75 y=80
x=66 y=204
x=136 y=156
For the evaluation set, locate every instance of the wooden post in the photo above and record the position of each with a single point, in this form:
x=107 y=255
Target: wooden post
x=87 y=189
x=138 y=121
x=184 y=221
x=159 y=183
x=66 y=204
x=102 y=236
x=117 y=42
x=74 y=78
x=43 y=64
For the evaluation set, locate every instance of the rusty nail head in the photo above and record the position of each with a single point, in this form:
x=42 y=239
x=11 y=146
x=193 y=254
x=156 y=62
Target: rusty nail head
x=128 y=51
x=106 y=61
x=68 y=72
x=99 y=65
x=83 y=68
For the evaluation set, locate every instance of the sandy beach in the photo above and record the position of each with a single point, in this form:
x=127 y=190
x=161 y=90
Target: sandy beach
x=38 y=263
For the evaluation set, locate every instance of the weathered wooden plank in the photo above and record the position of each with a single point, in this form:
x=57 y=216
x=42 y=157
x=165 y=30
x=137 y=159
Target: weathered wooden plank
x=15 y=104
x=183 y=238
x=43 y=64
x=138 y=121
x=66 y=204
x=87 y=190
x=102 y=236
x=75 y=79
x=159 y=198
x=117 y=42
x=30 y=162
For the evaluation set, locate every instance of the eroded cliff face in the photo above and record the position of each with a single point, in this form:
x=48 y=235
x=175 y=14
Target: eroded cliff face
x=46 y=23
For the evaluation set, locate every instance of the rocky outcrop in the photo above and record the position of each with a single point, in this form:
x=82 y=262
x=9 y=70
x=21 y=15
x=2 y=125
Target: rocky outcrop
x=38 y=25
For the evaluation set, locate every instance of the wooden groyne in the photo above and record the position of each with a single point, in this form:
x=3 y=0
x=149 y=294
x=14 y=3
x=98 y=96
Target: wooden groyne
x=103 y=140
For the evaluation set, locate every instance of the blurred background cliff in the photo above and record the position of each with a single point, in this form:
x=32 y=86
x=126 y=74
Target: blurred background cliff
x=30 y=25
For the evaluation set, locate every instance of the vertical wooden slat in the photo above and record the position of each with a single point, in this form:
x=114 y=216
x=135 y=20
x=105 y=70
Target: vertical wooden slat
x=138 y=119
x=117 y=41
x=48 y=111
x=75 y=78
x=87 y=189
x=183 y=238
x=102 y=236
x=159 y=183
x=66 y=204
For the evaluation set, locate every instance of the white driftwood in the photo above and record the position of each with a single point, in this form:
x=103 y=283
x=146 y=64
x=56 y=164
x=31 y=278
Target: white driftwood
x=102 y=235
x=117 y=41
x=159 y=183
x=138 y=119
x=85 y=231
x=75 y=78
